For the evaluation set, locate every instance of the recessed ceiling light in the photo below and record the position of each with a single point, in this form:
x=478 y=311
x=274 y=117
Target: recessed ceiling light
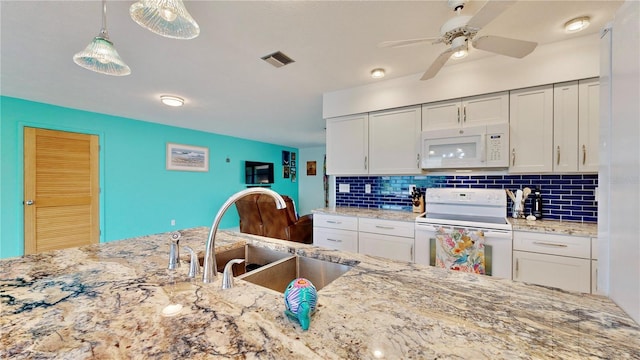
x=577 y=24
x=171 y=100
x=377 y=73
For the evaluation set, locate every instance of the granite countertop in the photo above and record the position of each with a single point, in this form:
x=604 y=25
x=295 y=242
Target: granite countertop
x=105 y=302
x=369 y=213
x=545 y=226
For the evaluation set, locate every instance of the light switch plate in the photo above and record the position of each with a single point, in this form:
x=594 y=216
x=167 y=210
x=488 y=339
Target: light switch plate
x=367 y=188
x=343 y=188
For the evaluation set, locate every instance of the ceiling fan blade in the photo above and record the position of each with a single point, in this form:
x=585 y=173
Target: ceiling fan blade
x=505 y=46
x=488 y=12
x=401 y=43
x=437 y=65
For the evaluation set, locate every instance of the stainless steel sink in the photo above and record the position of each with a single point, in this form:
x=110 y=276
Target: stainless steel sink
x=276 y=276
x=254 y=256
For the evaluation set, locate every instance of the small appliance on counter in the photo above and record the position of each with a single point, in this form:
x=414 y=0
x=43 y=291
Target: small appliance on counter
x=417 y=200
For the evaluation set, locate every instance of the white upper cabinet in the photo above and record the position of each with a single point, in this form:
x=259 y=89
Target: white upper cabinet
x=565 y=127
x=348 y=145
x=588 y=125
x=394 y=141
x=531 y=129
x=476 y=110
x=383 y=142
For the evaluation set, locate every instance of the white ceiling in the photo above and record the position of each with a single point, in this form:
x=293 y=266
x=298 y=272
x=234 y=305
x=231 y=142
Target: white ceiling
x=228 y=88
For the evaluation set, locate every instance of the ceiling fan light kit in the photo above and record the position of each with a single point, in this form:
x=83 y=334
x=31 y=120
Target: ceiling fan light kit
x=100 y=55
x=168 y=18
x=577 y=24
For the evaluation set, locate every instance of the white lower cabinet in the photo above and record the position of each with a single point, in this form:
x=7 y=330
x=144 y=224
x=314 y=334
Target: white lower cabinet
x=560 y=261
x=377 y=237
x=335 y=232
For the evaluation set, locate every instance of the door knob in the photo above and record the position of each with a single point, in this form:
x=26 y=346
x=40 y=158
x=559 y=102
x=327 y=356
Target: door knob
x=29 y=202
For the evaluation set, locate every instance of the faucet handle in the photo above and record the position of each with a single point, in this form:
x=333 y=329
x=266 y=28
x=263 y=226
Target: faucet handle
x=227 y=276
x=194 y=265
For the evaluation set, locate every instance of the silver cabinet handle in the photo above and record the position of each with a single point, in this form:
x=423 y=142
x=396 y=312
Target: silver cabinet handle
x=385 y=227
x=513 y=157
x=458 y=115
x=550 y=244
x=558 y=156
x=365 y=163
x=334 y=222
x=584 y=154
x=464 y=114
x=517 y=268
x=334 y=240
x=418 y=161
x=29 y=202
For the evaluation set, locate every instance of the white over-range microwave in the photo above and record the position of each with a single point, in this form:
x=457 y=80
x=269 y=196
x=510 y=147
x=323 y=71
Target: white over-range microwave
x=485 y=146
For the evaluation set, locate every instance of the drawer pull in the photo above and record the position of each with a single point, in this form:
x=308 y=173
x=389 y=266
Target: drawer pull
x=550 y=244
x=334 y=240
x=334 y=222
x=385 y=227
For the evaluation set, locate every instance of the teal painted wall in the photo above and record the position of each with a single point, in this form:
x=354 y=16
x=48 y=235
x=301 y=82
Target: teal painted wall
x=139 y=196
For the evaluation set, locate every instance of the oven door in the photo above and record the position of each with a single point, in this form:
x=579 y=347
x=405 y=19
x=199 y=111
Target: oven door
x=497 y=249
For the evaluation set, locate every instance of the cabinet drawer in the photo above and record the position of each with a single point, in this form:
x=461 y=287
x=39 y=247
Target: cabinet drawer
x=335 y=222
x=344 y=240
x=387 y=227
x=551 y=270
x=564 y=245
x=386 y=246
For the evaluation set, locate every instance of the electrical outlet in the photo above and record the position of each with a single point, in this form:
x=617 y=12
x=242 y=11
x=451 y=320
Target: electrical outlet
x=173 y=222
x=343 y=188
x=367 y=188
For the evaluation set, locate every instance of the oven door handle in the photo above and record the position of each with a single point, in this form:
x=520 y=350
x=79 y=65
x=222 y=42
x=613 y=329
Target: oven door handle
x=425 y=227
x=498 y=234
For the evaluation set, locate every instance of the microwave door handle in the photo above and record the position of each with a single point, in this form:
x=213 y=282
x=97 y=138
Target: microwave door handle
x=483 y=153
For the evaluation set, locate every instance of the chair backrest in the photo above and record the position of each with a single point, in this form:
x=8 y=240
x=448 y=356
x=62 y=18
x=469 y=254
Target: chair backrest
x=250 y=219
x=276 y=221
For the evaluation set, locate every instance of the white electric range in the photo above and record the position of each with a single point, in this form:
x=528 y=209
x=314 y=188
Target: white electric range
x=467 y=210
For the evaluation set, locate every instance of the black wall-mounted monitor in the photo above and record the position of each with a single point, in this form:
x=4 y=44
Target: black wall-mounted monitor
x=258 y=172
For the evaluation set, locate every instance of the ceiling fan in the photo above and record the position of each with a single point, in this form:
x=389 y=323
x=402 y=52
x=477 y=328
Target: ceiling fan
x=459 y=30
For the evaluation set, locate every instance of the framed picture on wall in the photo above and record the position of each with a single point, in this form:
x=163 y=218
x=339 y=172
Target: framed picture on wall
x=311 y=168
x=187 y=158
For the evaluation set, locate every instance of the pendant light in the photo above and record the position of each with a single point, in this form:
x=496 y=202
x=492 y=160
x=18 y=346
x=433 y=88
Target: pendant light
x=100 y=55
x=168 y=18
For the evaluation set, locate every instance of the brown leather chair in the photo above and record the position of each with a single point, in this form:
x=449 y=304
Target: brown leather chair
x=274 y=223
x=250 y=221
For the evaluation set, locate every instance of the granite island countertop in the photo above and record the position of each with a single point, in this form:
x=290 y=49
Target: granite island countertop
x=105 y=302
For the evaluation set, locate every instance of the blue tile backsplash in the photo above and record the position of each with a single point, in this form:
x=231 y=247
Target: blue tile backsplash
x=565 y=197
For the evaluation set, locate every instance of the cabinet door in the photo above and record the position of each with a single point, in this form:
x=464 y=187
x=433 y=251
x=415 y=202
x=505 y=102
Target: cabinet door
x=344 y=240
x=550 y=270
x=588 y=125
x=394 y=141
x=531 y=129
x=386 y=246
x=485 y=109
x=348 y=145
x=565 y=127
x=441 y=115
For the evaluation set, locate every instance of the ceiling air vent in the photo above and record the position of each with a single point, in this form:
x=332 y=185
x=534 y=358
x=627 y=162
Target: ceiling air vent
x=277 y=59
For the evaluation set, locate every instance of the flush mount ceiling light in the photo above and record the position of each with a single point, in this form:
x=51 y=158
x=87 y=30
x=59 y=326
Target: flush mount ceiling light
x=377 y=73
x=577 y=24
x=460 y=47
x=171 y=100
x=168 y=18
x=100 y=55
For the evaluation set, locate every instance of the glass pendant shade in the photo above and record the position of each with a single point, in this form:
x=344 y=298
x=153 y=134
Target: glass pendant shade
x=100 y=56
x=168 y=18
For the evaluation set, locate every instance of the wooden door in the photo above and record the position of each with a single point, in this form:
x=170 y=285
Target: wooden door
x=61 y=190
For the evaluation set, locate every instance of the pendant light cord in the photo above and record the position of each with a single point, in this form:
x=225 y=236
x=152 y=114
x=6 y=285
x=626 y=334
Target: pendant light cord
x=103 y=31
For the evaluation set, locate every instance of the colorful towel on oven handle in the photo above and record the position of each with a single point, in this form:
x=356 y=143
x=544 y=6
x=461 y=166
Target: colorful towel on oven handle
x=460 y=249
